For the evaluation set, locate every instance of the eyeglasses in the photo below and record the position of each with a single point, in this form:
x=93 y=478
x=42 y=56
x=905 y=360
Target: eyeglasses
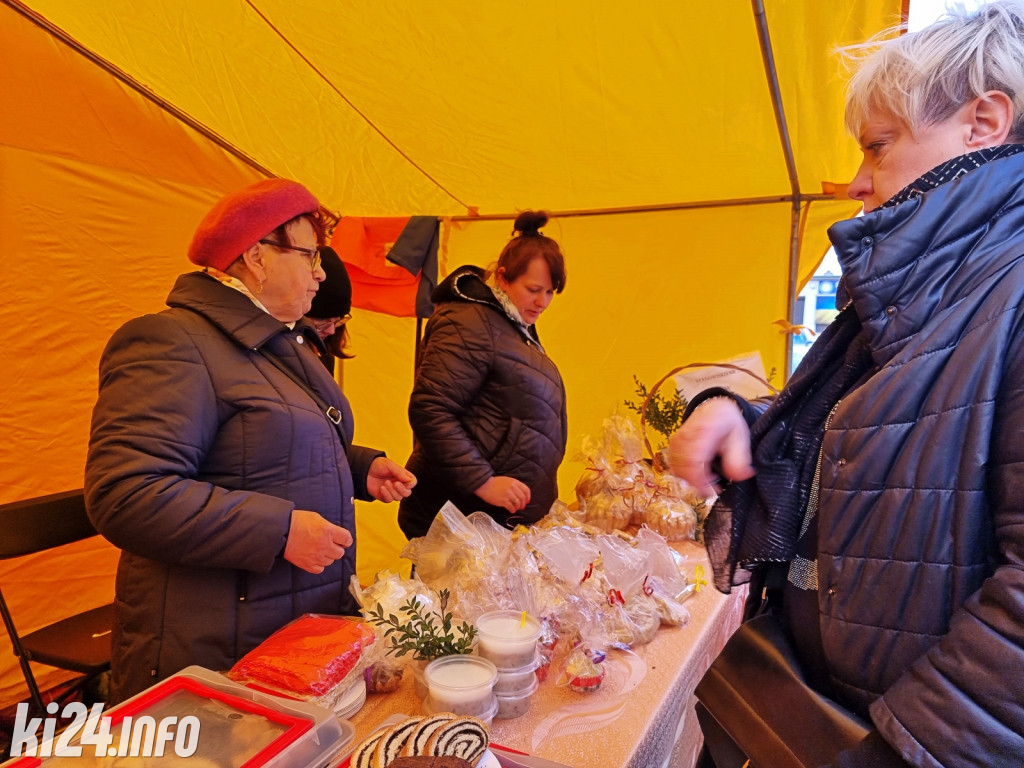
x=312 y=254
x=331 y=324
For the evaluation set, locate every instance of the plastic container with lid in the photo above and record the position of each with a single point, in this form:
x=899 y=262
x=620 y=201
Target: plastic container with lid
x=461 y=684
x=419 y=679
x=515 y=704
x=237 y=726
x=508 y=638
x=517 y=680
x=430 y=707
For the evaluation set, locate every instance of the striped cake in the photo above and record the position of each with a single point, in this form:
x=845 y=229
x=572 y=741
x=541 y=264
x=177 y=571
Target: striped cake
x=464 y=737
x=416 y=744
x=439 y=735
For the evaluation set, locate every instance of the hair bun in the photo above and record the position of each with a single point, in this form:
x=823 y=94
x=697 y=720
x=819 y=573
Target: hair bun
x=530 y=222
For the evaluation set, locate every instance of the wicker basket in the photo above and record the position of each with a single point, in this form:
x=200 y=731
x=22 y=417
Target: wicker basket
x=655 y=458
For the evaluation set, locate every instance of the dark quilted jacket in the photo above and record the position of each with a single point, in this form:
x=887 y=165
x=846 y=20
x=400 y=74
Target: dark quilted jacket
x=487 y=401
x=921 y=515
x=200 y=449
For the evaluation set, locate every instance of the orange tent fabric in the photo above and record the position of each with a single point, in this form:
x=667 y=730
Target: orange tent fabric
x=651 y=135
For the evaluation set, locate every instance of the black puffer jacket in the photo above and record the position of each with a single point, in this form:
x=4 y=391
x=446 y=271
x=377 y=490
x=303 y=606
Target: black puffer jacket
x=200 y=450
x=487 y=401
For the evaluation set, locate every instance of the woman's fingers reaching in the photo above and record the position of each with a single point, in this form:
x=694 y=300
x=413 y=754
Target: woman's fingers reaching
x=715 y=429
x=506 y=492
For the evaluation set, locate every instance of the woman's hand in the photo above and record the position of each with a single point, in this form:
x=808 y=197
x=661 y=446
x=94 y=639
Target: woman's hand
x=313 y=542
x=507 y=492
x=715 y=428
x=388 y=481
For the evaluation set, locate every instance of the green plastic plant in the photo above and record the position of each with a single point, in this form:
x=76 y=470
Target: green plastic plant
x=426 y=635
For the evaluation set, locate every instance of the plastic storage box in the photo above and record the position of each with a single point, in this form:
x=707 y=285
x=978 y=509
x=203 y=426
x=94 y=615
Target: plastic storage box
x=238 y=728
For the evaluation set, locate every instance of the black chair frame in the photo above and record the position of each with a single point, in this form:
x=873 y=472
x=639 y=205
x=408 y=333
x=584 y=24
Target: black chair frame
x=78 y=643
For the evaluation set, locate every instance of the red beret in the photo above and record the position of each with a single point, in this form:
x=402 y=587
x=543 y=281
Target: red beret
x=238 y=221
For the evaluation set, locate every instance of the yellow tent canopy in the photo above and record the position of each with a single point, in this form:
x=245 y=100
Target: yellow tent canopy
x=688 y=205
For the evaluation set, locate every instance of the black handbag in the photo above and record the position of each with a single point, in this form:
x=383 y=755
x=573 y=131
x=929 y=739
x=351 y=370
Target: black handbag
x=756 y=709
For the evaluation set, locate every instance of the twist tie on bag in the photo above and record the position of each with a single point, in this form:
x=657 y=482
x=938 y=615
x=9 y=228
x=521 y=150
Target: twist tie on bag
x=588 y=573
x=648 y=589
x=698 y=577
x=615 y=596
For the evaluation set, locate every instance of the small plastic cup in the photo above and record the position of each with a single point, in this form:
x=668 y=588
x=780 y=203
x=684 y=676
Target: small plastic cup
x=506 y=639
x=461 y=684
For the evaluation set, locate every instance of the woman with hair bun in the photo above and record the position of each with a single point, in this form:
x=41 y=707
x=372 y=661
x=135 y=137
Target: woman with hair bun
x=488 y=406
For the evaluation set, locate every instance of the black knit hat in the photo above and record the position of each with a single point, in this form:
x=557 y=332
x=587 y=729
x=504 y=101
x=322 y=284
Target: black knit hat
x=334 y=297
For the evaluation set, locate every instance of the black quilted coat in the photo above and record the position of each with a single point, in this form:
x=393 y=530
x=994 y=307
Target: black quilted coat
x=487 y=401
x=921 y=539
x=200 y=449
x=921 y=510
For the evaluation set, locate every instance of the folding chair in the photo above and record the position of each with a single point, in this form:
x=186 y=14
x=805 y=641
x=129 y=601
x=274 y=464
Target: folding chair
x=80 y=643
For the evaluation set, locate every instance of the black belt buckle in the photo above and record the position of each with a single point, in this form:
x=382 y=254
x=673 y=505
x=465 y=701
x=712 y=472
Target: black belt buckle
x=333 y=414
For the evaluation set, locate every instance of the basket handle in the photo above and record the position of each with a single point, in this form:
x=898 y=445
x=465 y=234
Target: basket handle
x=673 y=372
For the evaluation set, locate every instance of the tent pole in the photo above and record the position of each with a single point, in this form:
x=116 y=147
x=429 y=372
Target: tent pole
x=613 y=211
x=768 y=58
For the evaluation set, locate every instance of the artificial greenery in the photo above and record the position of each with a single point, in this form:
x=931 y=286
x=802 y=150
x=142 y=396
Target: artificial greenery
x=426 y=634
x=663 y=414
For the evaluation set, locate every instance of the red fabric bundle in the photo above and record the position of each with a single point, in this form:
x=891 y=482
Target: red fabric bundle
x=307 y=657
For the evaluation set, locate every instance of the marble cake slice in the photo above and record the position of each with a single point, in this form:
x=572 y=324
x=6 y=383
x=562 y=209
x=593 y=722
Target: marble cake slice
x=391 y=742
x=362 y=755
x=464 y=737
x=416 y=744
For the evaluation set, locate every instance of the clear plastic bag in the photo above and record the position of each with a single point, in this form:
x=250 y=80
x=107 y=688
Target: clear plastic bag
x=667 y=586
x=315 y=657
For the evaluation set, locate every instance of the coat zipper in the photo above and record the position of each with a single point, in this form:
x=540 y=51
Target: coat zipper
x=812 y=497
x=795 y=577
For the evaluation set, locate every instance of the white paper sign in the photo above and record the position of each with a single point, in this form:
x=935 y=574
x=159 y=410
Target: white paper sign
x=692 y=381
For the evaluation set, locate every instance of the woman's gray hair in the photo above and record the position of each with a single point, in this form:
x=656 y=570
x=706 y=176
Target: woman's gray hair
x=924 y=77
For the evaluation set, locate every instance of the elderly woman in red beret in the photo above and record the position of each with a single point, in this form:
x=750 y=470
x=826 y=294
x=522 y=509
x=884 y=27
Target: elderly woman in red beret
x=221 y=459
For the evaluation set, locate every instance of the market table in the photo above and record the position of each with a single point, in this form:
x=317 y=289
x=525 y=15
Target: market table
x=641 y=717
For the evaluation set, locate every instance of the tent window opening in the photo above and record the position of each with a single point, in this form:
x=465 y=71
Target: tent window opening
x=815 y=307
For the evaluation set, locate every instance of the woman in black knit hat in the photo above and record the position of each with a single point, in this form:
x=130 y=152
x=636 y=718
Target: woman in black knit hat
x=332 y=306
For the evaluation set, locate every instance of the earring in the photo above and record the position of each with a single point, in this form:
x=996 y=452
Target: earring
x=259 y=288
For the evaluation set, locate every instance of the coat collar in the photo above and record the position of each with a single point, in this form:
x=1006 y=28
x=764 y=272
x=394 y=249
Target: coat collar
x=231 y=311
x=904 y=264
x=469 y=283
